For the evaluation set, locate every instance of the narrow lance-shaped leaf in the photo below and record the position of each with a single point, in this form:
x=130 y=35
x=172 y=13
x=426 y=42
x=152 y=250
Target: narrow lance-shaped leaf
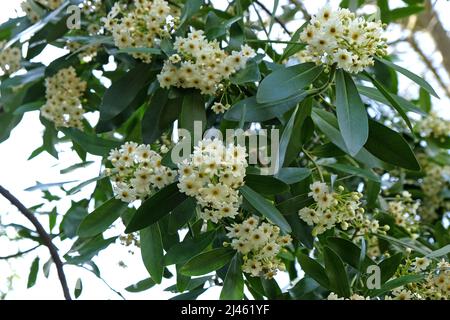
x=351 y=113
x=233 y=286
x=152 y=251
x=208 y=261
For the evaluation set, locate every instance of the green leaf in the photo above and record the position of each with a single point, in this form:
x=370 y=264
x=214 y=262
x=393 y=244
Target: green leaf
x=30 y=106
x=141 y=285
x=302 y=288
x=421 y=82
x=156 y=207
x=313 y=269
x=123 y=91
x=193 y=109
x=351 y=113
x=189 y=9
x=91 y=143
x=102 y=218
x=364 y=173
x=400 y=13
x=190 y=247
x=392 y=101
x=295 y=46
x=264 y=207
x=152 y=251
x=255 y=111
x=7 y=123
x=374 y=94
x=405 y=243
x=334 y=267
x=208 y=261
x=249 y=74
x=396 y=283
x=84 y=184
x=33 y=273
x=181 y=215
x=78 y=289
x=292 y=205
x=327 y=123
x=349 y=252
x=286 y=82
x=439 y=252
x=293 y=175
x=424 y=101
x=76 y=166
x=267 y=185
x=160 y=114
x=389 y=146
x=154 y=51
x=233 y=286
x=389 y=266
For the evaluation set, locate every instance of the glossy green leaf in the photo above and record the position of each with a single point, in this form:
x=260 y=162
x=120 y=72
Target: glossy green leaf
x=233 y=286
x=102 y=218
x=152 y=251
x=32 y=276
x=263 y=206
x=286 y=82
x=78 y=289
x=91 y=143
x=313 y=269
x=249 y=74
x=349 y=252
x=390 y=146
x=208 y=261
x=439 y=252
x=389 y=266
x=181 y=215
x=335 y=270
x=267 y=185
x=156 y=207
x=364 y=173
x=293 y=175
x=190 y=247
x=192 y=110
x=421 y=82
x=396 y=283
x=141 y=285
x=351 y=113
x=123 y=91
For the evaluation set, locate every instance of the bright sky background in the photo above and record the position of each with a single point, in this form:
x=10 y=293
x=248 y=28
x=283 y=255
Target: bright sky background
x=17 y=174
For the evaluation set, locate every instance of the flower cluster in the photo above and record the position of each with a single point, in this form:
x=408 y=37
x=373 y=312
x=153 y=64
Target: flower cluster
x=342 y=38
x=435 y=286
x=336 y=208
x=30 y=11
x=137 y=172
x=140 y=26
x=63 y=93
x=404 y=210
x=9 y=59
x=212 y=174
x=201 y=64
x=259 y=243
x=334 y=296
x=435 y=127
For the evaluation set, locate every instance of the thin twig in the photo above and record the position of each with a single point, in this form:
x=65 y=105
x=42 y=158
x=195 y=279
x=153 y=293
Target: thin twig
x=281 y=23
x=20 y=253
x=412 y=41
x=45 y=237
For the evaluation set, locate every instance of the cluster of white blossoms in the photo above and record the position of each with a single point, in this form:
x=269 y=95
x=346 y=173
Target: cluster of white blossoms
x=334 y=296
x=9 y=59
x=137 y=172
x=201 y=64
x=435 y=184
x=337 y=208
x=404 y=210
x=32 y=14
x=259 y=243
x=338 y=36
x=212 y=174
x=435 y=127
x=141 y=25
x=435 y=286
x=63 y=93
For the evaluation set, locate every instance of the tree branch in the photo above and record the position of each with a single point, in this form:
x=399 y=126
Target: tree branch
x=281 y=23
x=46 y=240
x=20 y=253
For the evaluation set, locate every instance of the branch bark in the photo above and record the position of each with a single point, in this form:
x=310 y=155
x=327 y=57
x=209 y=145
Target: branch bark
x=281 y=23
x=46 y=240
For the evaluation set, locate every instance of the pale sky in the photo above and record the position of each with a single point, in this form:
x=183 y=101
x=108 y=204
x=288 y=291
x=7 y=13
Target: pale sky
x=17 y=174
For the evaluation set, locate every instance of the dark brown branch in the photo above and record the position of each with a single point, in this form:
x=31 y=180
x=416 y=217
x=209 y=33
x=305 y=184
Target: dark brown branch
x=281 y=23
x=46 y=240
x=19 y=254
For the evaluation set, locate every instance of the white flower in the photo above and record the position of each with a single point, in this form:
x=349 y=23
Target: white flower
x=317 y=188
x=421 y=264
